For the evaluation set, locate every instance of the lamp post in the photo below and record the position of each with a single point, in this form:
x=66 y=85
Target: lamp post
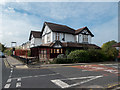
x=117 y=54
x=13 y=45
x=117 y=46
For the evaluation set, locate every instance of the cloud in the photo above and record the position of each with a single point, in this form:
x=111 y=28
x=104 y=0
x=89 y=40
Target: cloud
x=19 y=18
x=16 y=29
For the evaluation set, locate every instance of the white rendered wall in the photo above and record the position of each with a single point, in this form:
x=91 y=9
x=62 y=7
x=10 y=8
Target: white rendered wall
x=68 y=37
x=38 y=41
x=32 y=42
x=35 y=42
x=46 y=30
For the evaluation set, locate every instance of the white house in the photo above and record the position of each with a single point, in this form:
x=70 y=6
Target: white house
x=35 y=38
x=54 y=39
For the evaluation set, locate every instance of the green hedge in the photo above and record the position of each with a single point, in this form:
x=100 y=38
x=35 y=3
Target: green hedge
x=91 y=55
x=79 y=56
x=83 y=56
x=97 y=55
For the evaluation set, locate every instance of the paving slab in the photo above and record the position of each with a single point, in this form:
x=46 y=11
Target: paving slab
x=15 y=63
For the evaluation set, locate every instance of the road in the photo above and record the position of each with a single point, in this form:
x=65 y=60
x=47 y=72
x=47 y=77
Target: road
x=79 y=76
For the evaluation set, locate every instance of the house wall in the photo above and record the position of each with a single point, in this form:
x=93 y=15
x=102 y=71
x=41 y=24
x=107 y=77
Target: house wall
x=79 y=38
x=35 y=42
x=45 y=34
x=68 y=37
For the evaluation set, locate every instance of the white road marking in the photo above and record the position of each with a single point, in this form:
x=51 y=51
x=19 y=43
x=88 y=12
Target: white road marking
x=115 y=66
x=7 y=86
x=60 y=83
x=65 y=85
x=9 y=80
x=84 y=70
x=11 y=71
x=107 y=64
x=18 y=84
x=77 y=78
x=19 y=79
x=37 y=76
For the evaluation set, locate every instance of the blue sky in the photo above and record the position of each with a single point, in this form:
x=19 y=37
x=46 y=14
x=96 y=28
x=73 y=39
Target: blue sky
x=19 y=18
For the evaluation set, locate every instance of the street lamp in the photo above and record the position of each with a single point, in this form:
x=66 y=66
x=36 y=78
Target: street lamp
x=117 y=54
x=117 y=46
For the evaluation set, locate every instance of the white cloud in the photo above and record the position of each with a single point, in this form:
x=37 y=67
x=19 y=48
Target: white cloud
x=17 y=29
x=20 y=18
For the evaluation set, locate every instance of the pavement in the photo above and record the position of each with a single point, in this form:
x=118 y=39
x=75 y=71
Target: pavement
x=13 y=62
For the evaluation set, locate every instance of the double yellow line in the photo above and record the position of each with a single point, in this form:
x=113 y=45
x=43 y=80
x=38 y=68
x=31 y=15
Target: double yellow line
x=6 y=62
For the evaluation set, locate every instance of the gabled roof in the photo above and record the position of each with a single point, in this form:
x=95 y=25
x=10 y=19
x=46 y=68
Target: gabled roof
x=64 y=29
x=59 y=28
x=36 y=34
x=81 y=29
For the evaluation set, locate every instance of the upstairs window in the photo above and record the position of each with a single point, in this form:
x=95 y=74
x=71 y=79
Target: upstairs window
x=48 y=37
x=57 y=36
x=85 y=38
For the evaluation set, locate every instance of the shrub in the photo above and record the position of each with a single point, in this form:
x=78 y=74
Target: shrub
x=96 y=55
x=28 y=53
x=79 y=56
x=91 y=55
x=109 y=50
x=61 y=56
x=68 y=50
x=8 y=51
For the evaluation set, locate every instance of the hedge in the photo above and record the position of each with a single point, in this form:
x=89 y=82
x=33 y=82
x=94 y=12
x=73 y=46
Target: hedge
x=79 y=56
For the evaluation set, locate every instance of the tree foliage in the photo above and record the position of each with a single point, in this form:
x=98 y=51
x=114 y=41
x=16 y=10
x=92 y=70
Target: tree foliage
x=110 y=51
x=2 y=47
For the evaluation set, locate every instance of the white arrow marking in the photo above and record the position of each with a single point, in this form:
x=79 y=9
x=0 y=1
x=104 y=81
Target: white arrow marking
x=65 y=85
x=7 y=86
x=18 y=85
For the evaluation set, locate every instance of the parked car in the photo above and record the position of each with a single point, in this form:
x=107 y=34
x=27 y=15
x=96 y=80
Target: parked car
x=2 y=55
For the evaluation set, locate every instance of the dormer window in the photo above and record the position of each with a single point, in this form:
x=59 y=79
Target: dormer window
x=85 y=38
x=57 y=36
x=48 y=37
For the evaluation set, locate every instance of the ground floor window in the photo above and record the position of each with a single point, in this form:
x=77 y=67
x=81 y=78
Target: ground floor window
x=43 y=53
x=56 y=50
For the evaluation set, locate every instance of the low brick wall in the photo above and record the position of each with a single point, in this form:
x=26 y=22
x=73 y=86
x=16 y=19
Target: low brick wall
x=25 y=60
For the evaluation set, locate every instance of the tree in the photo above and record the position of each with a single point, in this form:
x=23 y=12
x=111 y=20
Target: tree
x=2 y=47
x=109 y=50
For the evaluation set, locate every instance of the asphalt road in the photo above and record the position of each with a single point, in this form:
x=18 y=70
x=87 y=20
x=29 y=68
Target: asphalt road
x=80 y=76
x=5 y=72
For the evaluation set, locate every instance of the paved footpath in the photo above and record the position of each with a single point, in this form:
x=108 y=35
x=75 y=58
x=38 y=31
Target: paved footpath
x=16 y=63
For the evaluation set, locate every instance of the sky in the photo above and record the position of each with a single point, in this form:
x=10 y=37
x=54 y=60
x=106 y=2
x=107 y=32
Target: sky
x=17 y=19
